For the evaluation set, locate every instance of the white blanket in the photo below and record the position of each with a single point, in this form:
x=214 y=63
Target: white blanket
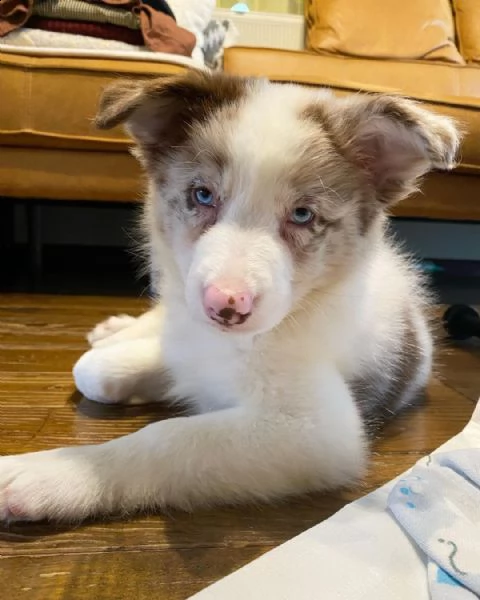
x=48 y=43
x=359 y=553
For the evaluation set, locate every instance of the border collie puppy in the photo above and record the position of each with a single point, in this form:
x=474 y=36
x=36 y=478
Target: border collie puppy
x=285 y=318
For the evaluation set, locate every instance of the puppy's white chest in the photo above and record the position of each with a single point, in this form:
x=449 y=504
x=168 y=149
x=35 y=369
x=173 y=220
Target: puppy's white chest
x=207 y=367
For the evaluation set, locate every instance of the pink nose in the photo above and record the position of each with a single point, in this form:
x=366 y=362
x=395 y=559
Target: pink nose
x=227 y=307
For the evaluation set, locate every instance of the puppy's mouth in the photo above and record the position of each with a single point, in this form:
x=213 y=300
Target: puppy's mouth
x=228 y=318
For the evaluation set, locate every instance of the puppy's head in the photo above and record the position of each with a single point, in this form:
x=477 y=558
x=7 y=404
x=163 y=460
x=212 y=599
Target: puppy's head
x=265 y=191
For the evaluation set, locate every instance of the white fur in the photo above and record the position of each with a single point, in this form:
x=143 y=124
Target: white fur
x=275 y=414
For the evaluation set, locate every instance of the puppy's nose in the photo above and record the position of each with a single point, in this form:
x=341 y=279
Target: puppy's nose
x=227 y=307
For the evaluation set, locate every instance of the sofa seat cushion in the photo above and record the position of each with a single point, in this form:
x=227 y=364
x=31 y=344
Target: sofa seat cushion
x=50 y=100
x=452 y=90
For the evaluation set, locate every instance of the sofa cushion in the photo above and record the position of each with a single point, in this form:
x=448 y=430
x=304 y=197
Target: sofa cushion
x=467 y=19
x=449 y=89
x=411 y=29
x=52 y=99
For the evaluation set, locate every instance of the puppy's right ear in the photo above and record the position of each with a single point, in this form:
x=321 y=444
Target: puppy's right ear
x=150 y=110
x=118 y=102
x=158 y=112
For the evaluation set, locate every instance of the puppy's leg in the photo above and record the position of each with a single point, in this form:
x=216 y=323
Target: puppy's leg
x=116 y=373
x=119 y=328
x=226 y=456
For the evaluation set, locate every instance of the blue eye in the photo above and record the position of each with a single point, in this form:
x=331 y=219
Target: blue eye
x=301 y=216
x=203 y=196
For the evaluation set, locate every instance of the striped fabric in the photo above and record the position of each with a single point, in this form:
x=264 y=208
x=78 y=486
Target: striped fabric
x=105 y=31
x=79 y=10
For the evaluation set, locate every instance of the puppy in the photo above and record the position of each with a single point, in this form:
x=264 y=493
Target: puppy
x=288 y=321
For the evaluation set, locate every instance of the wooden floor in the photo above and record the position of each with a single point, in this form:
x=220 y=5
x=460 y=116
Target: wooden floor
x=160 y=557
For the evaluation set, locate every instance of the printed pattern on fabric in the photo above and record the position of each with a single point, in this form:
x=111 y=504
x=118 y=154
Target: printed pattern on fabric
x=438 y=505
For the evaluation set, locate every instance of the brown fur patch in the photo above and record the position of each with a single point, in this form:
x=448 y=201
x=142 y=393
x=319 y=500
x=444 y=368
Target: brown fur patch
x=350 y=180
x=381 y=394
x=318 y=114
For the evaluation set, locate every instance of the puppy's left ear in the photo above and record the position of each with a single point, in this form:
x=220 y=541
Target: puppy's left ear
x=393 y=141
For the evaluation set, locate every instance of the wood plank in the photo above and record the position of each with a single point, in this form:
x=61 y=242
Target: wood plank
x=443 y=415
x=122 y=575
x=458 y=366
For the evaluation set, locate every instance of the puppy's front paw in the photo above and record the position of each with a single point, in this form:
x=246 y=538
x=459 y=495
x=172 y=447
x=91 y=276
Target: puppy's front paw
x=56 y=484
x=109 y=327
x=98 y=376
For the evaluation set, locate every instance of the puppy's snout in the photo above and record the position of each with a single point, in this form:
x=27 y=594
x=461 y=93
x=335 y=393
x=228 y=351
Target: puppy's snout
x=226 y=306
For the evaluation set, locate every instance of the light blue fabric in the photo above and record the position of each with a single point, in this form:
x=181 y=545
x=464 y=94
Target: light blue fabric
x=438 y=506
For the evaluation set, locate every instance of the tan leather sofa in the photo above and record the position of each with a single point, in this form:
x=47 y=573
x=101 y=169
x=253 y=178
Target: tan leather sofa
x=49 y=148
